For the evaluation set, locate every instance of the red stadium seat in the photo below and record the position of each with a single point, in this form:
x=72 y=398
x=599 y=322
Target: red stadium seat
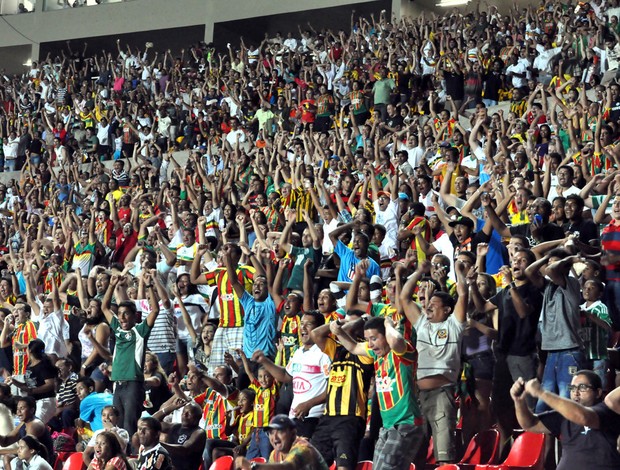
x=527 y=453
x=430 y=455
x=223 y=463
x=448 y=466
x=364 y=465
x=60 y=459
x=259 y=460
x=482 y=449
x=74 y=462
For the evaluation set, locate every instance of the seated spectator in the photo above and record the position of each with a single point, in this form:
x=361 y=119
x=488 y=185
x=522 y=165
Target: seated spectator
x=288 y=448
x=185 y=441
x=31 y=454
x=109 y=418
x=152 y=456
x=30 y=425
x=108 y=453
x=91 y=404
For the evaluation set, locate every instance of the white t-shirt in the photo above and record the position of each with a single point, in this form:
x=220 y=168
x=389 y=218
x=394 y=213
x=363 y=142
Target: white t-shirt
x=196 y=306
x=310 y=371
x=389 y=219
x=439 y=347
x=53 y=331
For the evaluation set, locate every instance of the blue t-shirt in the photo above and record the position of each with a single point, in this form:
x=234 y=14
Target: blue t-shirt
x=348 y=261
x=259 y=331
x=91 y=407
x=498 y=254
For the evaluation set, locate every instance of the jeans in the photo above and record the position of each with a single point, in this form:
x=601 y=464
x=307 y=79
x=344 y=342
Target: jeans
x=259 y=445
x=129 y=401
x=599 y=366
x=10 y=163
x=559 y=370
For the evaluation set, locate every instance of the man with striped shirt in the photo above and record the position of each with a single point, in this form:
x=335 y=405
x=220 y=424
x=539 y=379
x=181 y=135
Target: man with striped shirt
x=229 y=334
x=341 y=427
x=18 y=336
x=395 y=361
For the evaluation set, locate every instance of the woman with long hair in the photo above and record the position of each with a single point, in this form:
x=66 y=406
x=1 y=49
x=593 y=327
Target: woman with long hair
x=40 y=380
x=31 y=454
x=197 y=309
x=94 y=338
x=108 y=453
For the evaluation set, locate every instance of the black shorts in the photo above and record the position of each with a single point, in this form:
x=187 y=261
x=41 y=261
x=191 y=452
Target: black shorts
x=337 y=438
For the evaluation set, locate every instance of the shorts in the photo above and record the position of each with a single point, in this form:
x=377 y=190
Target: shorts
x=397 y=447
x=337 y=439
x=439 y=409
x=507 y=370
x=482 y=365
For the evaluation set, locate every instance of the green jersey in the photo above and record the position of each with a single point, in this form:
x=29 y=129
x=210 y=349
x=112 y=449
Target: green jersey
x=128 y=361
x=394 y=386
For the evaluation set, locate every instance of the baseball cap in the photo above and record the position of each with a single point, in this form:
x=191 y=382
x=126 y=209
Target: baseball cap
x=281 y=422
x=461 y=220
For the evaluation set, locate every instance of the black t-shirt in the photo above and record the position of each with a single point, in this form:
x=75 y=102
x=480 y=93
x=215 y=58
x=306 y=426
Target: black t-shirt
x=548 y=233
x=583 y=447
x=36 y=375
x=191 y=460
x=156 y=458
x=454 y=85
x=517 y=336
x=492 y=84
x=587 y=230
x=614 y=115
x=394 y=122
x=470 y=244
x=158 y=395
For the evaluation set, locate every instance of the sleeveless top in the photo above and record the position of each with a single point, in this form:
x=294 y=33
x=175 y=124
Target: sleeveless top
x=87 y=345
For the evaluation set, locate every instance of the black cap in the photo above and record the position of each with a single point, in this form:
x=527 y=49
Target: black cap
x=461 y=220
x=281 y=422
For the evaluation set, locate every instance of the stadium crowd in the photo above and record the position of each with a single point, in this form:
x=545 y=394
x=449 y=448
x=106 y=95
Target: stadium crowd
x=318 y=247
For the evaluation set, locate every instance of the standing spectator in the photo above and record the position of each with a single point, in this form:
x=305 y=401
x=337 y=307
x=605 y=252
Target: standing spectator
x=229 y=334
x=395 y=362
x=341 y=427
x=382 y=92
x=439 y=328
x=128 y=362
x=559 y=321
x=308 y=370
